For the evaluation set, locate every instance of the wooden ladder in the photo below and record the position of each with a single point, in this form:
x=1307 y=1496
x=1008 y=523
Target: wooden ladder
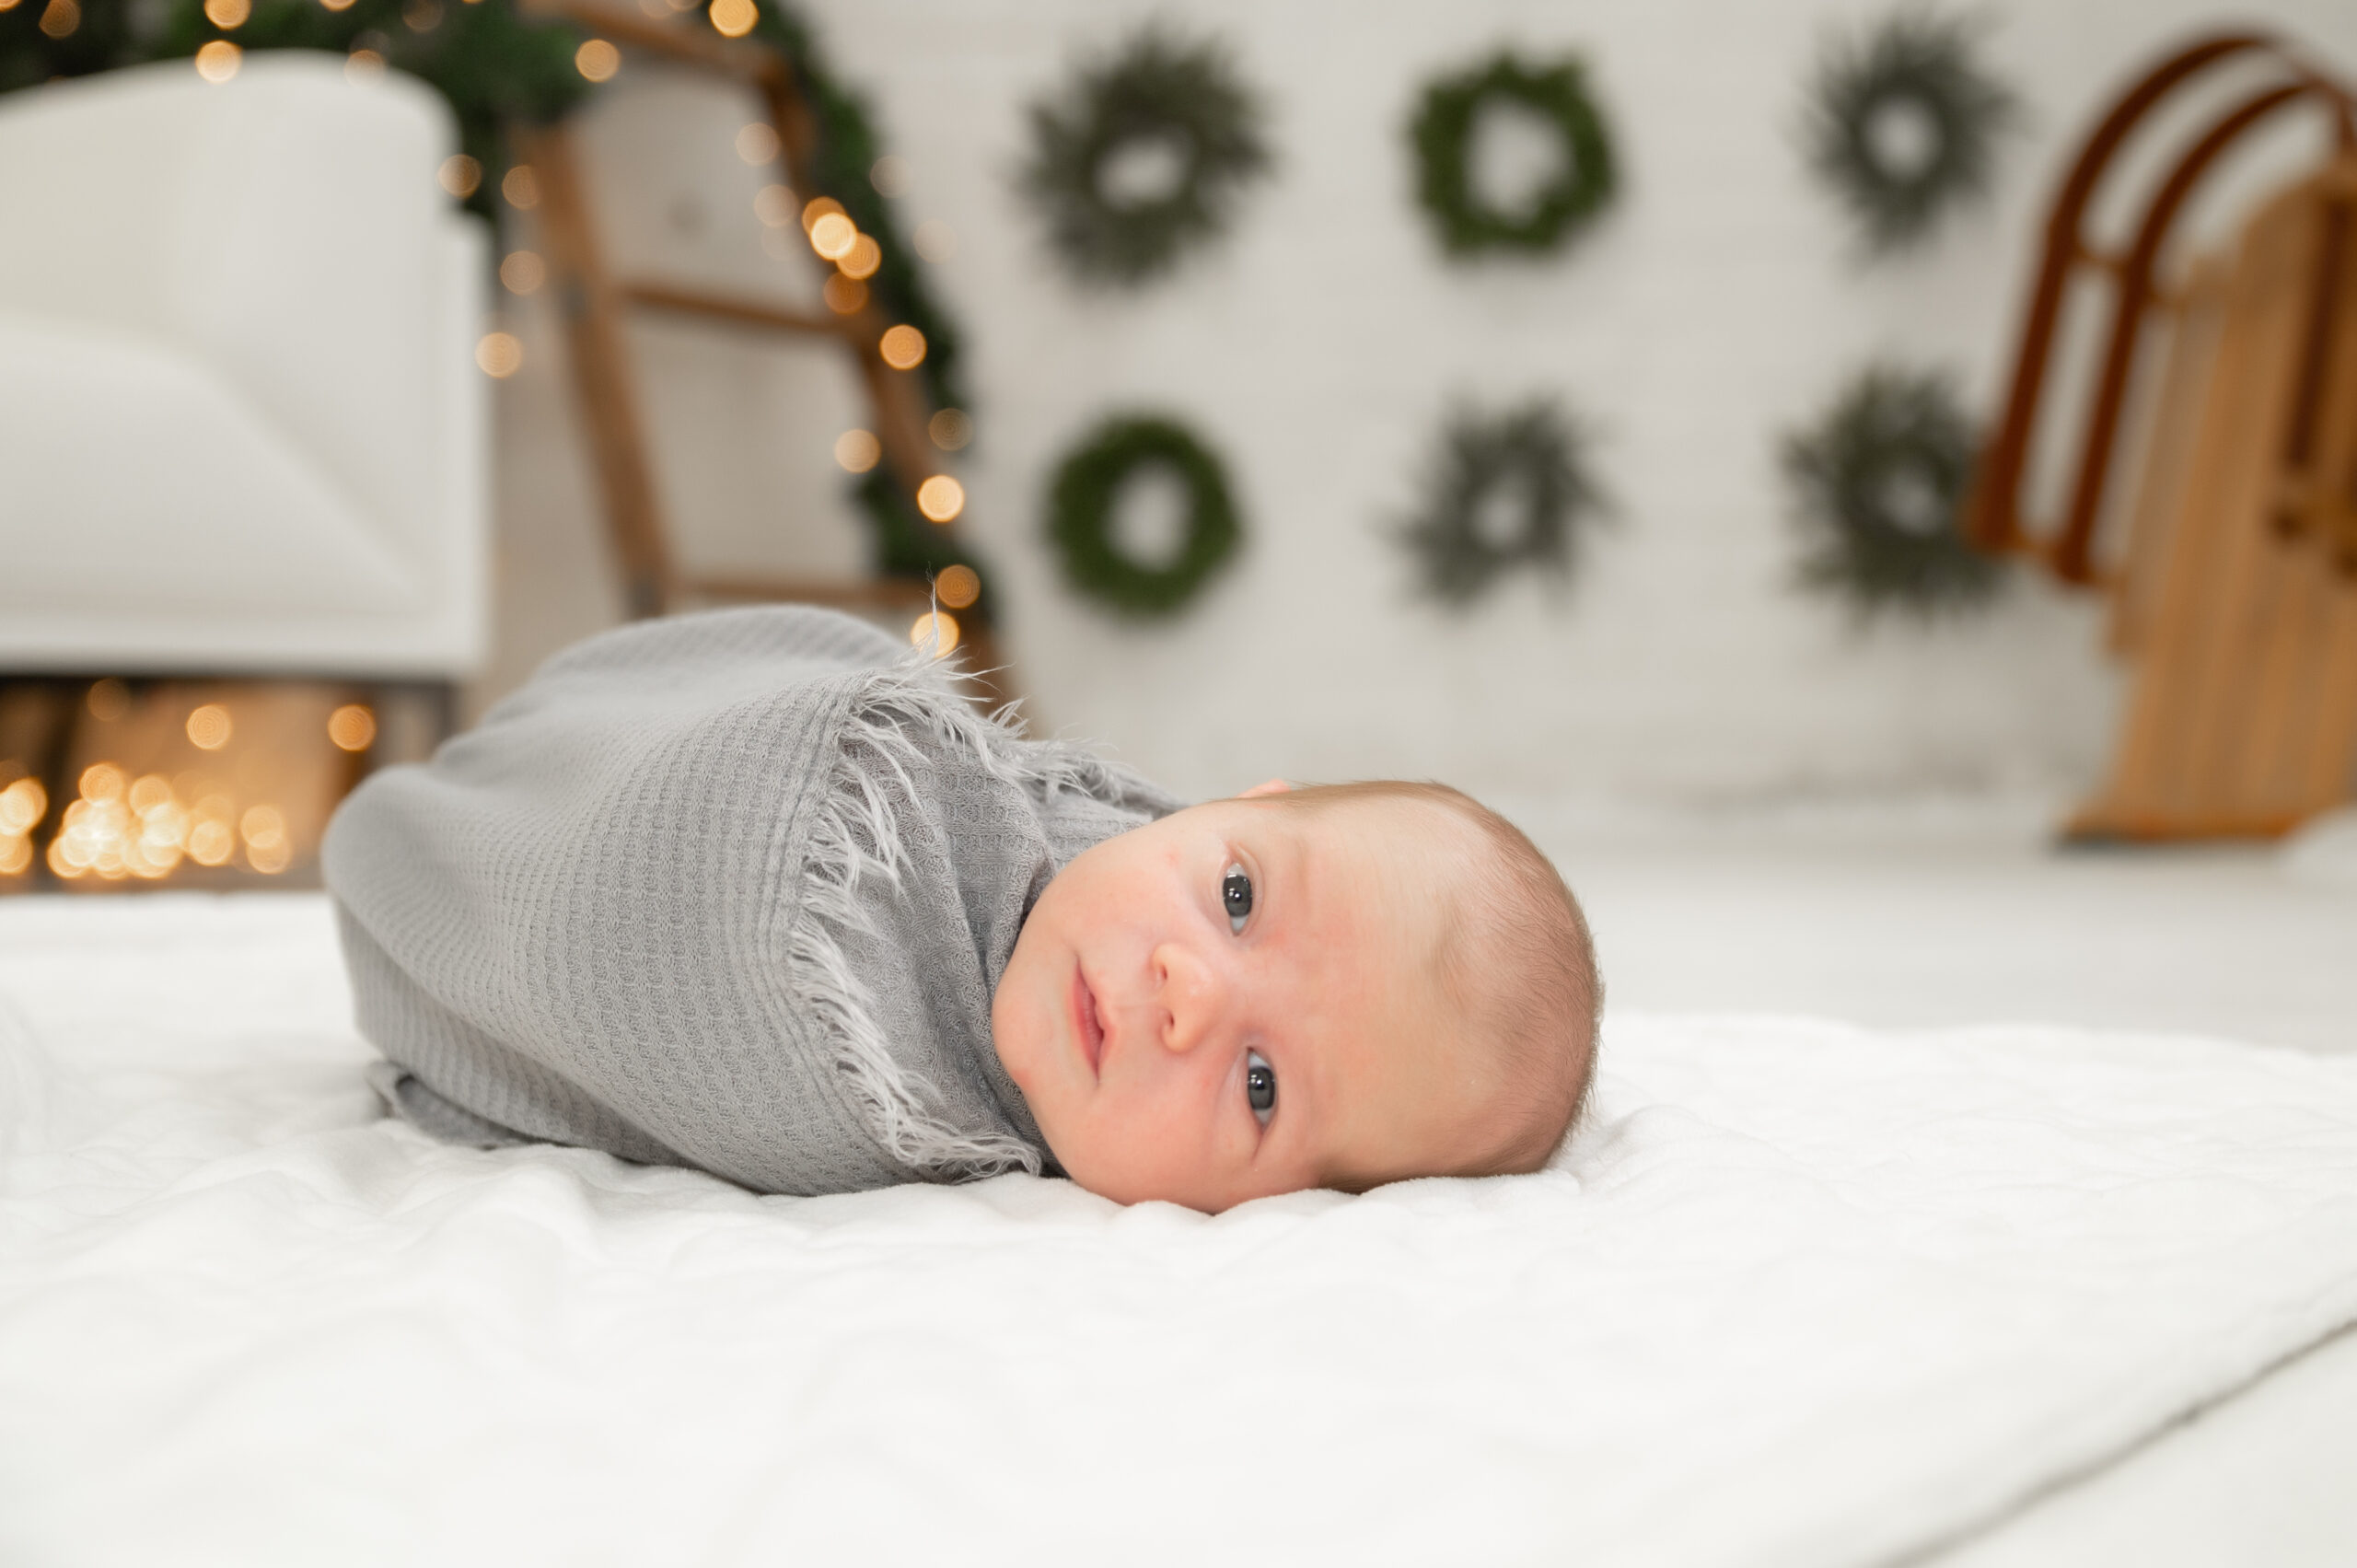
x=594 y=304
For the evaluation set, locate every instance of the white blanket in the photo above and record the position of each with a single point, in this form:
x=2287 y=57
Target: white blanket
x=1799 y=1294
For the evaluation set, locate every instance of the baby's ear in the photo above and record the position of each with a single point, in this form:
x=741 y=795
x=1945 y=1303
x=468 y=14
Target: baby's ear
x=1269 y=786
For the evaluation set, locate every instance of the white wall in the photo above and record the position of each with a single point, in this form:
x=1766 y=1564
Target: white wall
x=1320 y=343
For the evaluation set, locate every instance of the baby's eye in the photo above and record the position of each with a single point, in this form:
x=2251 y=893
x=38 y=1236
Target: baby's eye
x=1236 y=892
x=1259 y=1085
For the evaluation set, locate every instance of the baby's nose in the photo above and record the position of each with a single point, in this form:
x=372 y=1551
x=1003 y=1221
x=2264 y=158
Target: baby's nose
x=1191 y=993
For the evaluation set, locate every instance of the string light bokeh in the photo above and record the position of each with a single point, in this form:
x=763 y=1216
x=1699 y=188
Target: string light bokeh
x=902 y=347
x=596 y=60
x=218 y=60
x=958 y=586
x=941 y=498
x=522 y=271
x=460 y=175
x=166 y=781
x=500 y=354
x=937 y=629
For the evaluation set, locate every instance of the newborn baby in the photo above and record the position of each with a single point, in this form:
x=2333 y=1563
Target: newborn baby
x=758 y=891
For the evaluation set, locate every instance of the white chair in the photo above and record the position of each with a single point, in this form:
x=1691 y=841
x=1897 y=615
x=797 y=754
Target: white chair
x=241 y=429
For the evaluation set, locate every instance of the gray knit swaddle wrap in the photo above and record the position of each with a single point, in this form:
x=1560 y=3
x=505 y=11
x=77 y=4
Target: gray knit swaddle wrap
x=730 y=890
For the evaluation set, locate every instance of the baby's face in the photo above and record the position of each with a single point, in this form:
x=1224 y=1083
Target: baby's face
x=1239 y=1000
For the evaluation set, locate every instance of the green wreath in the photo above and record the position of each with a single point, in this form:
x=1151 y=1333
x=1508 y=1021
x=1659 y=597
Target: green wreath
x=1504 y=492
x=1442 y=133
x=1158 y=98
x=1081 y=513
x=1877 y=486
x=1903 y=125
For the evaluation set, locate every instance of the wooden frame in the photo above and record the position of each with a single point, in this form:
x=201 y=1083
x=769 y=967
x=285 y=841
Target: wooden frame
x=595 y=305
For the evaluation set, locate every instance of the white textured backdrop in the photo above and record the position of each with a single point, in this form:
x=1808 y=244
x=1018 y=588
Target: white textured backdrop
x=1318 y=347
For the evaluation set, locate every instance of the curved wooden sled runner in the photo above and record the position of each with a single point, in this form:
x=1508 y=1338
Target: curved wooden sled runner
x=2230 y=553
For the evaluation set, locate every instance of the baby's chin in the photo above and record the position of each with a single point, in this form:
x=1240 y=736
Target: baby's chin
x=1107 y=1167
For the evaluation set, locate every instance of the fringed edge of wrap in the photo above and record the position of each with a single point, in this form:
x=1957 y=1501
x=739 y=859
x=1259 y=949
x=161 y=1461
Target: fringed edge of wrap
x=857 y=837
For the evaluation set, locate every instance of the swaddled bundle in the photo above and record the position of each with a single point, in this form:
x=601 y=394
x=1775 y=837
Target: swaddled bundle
x=731 y=890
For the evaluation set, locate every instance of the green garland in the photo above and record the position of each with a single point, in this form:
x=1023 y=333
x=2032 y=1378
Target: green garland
x=1505 y=491
x=1442 y=134
x=1876 y=485
x=498 y=65
x=1155 y=89
x=1088 y=486
x=1914 y=68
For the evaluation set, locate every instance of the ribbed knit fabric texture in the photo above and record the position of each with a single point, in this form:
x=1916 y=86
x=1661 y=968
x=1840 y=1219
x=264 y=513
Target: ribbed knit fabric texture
x=730 y=890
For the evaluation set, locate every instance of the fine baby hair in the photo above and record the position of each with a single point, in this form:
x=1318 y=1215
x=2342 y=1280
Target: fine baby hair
x=1517 y=961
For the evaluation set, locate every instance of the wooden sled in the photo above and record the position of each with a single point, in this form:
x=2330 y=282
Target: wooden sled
x=2213 y=480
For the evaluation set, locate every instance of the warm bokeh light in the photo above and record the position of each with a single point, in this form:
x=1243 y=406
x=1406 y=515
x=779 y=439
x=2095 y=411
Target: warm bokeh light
x=22 y=806
x=902 y=347
x=337 y=5
x=834 y=235
x=523 y=271
x=773 y=204
x=862 y=259
x=108 y=699
x=500 y=354
x=950 y=429
x=818 y=207
x=757 y=143
x=521 y=187
x=460 y=175
x=422 y=15
x=733 y=18
x=15 y=849
x=596 y=60
x=209 y=728
x=265 y=831
x=61 y=18
x=936 y=628
x=890 y=175
x=941 y=498
x=148 y=792
x=211 y=839
x=958 y=586
x=362 y=65
x=102 y=783
x=352 y=728
x=218 y=61
x=935 y=240
x=858 y=451
x=228 y=14
x=844 y=294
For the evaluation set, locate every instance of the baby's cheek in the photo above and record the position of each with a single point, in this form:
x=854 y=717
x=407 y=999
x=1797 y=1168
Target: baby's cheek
x=1019 y=1022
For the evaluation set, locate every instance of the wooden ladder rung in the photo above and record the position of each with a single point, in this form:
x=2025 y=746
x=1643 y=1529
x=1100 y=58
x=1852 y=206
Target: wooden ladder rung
x=687 y=46
x=877 y=593
x=744 y=312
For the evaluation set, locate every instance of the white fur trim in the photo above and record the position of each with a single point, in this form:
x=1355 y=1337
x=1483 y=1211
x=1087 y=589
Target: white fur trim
x=857 y=837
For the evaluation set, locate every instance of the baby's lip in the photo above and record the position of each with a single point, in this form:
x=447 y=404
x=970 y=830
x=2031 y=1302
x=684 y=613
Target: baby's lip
x=1088 y=1031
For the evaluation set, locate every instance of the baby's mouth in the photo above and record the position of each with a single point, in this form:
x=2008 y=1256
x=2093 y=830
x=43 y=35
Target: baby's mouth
x=1087 y=1029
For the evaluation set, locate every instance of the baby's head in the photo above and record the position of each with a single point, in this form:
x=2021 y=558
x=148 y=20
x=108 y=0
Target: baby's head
x=1335 y=986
